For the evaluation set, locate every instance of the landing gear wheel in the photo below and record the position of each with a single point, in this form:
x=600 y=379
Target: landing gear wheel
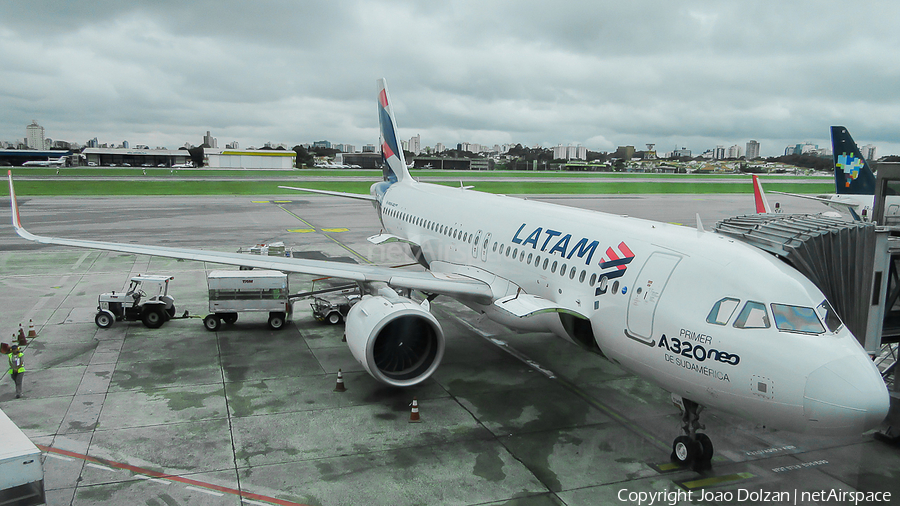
x=692 y=449
x=334 y=318
x=276 y=321
x=104 y=319
x=230 y=318
x=211 y=322
x=685 y=451
x=153 y=318
x=704 y=459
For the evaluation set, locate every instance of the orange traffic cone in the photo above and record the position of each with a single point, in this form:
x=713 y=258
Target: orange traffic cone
x=414 y=412
x=31 y=333
x=21 y=332
x=339 y=386
x=21 y=341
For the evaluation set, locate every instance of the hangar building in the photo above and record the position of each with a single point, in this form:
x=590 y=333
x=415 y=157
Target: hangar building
x=249 y=159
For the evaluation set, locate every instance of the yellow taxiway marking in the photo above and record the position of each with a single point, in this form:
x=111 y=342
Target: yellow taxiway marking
x=282 y=201
x=301 y=230
x=714 y=480
x=334 y=229
x=259 y=201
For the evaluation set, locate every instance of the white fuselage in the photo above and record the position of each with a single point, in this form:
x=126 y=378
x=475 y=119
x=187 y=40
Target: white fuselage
x=647 y=289
x=863 y=205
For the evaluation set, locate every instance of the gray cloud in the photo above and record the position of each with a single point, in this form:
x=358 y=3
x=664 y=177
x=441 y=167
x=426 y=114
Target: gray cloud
x=695 y=73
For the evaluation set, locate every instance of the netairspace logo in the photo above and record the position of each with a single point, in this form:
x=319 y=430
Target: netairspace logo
x=673 y=497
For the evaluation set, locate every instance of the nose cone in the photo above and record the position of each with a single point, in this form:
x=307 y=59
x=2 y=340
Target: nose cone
x=845 y=396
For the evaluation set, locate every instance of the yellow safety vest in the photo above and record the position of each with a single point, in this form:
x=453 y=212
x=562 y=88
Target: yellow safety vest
x=12 y=363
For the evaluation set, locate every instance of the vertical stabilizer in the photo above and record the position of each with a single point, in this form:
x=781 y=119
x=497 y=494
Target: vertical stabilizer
x=759 y=197
x=851 y=172
x=391 y=150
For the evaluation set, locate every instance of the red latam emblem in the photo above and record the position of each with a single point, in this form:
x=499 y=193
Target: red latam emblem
x=619 y=262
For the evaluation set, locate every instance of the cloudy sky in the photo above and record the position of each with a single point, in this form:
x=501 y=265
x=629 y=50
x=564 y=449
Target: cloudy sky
x=692 y=73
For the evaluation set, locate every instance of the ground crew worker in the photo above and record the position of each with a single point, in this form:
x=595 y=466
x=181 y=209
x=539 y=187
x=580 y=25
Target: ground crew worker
x=17 y=368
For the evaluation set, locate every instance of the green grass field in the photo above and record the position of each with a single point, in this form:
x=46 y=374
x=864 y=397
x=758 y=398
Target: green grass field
x=158 y=181
x=112 y=187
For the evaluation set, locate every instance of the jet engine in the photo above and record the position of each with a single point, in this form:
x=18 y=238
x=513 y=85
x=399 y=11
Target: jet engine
x=398 y=341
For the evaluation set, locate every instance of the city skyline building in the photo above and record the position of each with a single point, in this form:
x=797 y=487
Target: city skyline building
x=210 y=141
x=34 y=136
x=868 y=151
x=561 y=152
x=752 y=150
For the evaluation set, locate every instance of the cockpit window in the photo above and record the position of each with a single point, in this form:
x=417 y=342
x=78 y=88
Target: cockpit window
x=753 y=316
x=796 y=319
x=831 y=319
x=722 y=311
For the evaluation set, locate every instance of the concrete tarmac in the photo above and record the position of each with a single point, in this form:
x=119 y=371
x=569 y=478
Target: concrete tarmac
x=247 y=415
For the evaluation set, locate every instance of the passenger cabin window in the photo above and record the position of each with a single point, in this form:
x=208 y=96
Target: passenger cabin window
x=722 y=311
x=796 y=319
x=831 y=319
x=753 y=316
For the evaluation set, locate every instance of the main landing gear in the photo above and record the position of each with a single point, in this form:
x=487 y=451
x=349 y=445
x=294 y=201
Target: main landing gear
x=693 y=449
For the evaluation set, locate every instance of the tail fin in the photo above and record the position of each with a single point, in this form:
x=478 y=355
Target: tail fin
x=759 y=196
x=391 y=151
x=851 y=172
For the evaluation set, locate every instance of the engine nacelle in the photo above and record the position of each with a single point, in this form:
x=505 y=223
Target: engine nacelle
x=397 y=341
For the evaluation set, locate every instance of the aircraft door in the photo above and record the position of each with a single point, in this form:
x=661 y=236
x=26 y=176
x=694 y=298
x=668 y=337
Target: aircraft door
x=476 y=245
x=645 y=293
x=484 y=247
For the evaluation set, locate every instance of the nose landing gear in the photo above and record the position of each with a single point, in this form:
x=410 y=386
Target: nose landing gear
x=693 y=449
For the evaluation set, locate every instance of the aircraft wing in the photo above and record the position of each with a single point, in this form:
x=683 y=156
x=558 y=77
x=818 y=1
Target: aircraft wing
x=823 y=200
x=850 y=207
x=333 y=193
x=453 y=285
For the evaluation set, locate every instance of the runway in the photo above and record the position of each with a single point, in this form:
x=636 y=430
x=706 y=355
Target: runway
x=247 y=415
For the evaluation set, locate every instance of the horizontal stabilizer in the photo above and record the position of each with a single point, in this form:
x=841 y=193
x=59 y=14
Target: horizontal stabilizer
x=523 y=305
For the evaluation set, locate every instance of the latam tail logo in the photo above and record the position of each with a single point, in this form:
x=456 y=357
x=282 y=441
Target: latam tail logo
x=850 y=166
x=616 y=262
x=389 y=146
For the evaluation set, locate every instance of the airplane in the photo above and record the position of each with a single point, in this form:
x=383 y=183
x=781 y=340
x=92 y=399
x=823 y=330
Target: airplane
x=55 y=162
x=763 y=207
x=853 y=180
x=716 y=322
